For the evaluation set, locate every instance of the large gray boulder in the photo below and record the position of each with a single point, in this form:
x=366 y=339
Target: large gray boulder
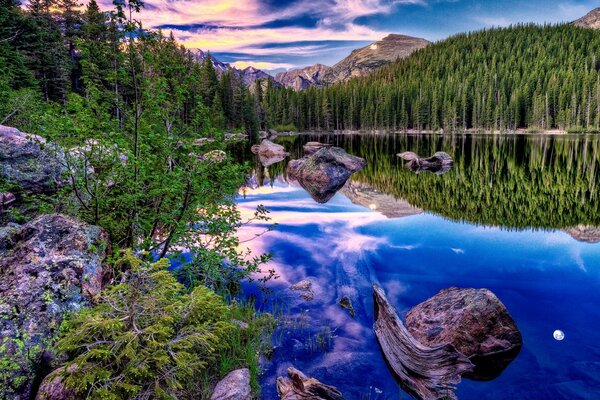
x=475 y=322
x=235 y=386
x=29 y=162
x=48 y=267
x=325 y=172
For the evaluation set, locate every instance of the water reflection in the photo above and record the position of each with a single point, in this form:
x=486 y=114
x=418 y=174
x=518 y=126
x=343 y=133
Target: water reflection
x=416 y=234
x=516 y=181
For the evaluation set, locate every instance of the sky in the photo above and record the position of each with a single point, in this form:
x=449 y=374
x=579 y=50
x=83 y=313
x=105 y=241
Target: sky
x=277 y=35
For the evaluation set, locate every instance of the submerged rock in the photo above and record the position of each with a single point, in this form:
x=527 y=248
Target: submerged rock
x=29 y=163
x=49 y=266
x=346 y=303
x=325 y=172
x=235 y=386
x=297 y=386
x=305 y=287
x=439 y=163
x=475 y=322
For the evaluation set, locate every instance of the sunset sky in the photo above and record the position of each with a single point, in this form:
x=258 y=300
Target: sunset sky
x=276 y=35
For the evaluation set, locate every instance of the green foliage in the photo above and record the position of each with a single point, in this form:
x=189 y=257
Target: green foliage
x=524 y=76
x=150 y=337
x=285 y=128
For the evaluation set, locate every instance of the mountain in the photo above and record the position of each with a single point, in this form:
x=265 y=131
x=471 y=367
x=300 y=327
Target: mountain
x=591 y=20
x=363 y=61
x=252 y=74
x=249 y=74
x=360 y=62
x=302 y=78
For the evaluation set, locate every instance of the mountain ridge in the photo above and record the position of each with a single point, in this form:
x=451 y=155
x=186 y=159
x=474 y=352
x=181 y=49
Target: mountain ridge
x=359 y=62
x=590 y=20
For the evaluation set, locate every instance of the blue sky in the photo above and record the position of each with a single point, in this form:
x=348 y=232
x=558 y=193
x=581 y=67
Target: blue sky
x=278 y=35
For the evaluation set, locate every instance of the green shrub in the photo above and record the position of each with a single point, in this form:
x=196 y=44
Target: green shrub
x=150 y=337
x=286 y=128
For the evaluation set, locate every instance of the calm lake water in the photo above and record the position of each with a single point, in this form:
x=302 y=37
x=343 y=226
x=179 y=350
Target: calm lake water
x=516 y=214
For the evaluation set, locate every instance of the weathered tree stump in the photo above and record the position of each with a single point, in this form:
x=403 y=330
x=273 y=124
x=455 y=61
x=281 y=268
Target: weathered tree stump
x=427 y=373
x=297 y=386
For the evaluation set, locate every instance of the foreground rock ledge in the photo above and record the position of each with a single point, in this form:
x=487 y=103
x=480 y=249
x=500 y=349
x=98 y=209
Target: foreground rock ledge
x=428 y=373
x=297 y=386
x=473 y=320
x=235 y=386
x=49 y=266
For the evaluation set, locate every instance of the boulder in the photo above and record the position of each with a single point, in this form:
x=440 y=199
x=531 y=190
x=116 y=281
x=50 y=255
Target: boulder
x=215 y=156
x=313 y=147
x=235 y=386
x=475 y=322
x=48 y=267
x=325 y=172
x=297 y=386
x=269 y=149
x=439 y=163
x=53 y=387
x=29 y=163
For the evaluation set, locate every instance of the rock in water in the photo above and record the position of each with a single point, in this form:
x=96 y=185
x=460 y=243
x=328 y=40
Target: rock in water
x=49 y=266
x=269 y=149
x=325 y=172
x=235 y=386
x=29 y=163
x=475 y=322
x=297 y=386
x=428 y=373
x=313 y=147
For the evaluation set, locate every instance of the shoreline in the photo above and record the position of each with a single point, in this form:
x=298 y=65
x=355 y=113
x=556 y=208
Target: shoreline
x=550 y=132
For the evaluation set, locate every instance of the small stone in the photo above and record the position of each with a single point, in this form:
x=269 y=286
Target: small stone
x=346 y=303
x=235 y=386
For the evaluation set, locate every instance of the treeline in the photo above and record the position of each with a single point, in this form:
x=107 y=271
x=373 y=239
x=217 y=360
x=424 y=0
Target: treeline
x=51 y=51
x=524 y=76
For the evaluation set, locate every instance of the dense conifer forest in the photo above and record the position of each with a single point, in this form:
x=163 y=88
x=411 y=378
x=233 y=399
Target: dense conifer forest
x=524 y=76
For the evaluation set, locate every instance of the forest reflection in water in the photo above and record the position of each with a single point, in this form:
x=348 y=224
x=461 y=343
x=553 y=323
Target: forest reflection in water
x=510 y=181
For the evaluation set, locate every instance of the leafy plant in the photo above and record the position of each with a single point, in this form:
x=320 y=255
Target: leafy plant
x=149 y=337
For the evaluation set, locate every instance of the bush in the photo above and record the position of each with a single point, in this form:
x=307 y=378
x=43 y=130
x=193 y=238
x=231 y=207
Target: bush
x=285 y=128
x=149 y=338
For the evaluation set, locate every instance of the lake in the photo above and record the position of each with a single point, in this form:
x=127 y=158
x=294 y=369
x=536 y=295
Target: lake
x=519 y=215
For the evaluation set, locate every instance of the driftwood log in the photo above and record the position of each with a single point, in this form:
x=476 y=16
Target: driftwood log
x=427 y=373
x=297 y=386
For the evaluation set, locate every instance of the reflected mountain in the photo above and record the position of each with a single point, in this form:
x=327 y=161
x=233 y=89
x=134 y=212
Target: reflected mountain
x=588 y=234
x=363 y=194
